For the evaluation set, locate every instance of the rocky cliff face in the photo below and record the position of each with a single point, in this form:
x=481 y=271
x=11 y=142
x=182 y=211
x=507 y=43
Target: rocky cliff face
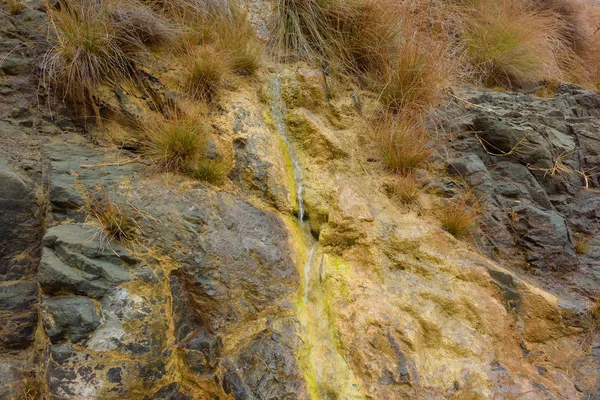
x=225 y=293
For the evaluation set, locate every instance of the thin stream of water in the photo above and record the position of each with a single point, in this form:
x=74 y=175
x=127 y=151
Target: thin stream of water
x=307 y=271
x=278 y=111
x=328 y=365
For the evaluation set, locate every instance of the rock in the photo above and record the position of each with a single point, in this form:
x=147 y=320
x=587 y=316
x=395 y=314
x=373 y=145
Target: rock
x=241 y=270
x=15 y=65
x=504 y=136
x=277 y=376
x=169 y=392
x=75 y=259
x=119 y=309
x=67 y=153
x=12 y=186
x=313 y=137
x=74 y=318
x=258 y=167
x=20 y=226
x=55 y=276
x=201 y=349
x=537 y=194
x=474 y=171
x=545 y=236
x=18 y=313
x=349 y=220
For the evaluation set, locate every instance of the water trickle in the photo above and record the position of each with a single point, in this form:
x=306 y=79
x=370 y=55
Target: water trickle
x=278 y=111
x=307 y=271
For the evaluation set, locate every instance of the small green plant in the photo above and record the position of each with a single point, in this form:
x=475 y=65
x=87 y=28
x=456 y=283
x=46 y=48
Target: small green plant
x=15 y=6
x=204 y=73
x=114 y=220
x=403 y=142
x=460 y=216
x=176 y=144
x=581 y=243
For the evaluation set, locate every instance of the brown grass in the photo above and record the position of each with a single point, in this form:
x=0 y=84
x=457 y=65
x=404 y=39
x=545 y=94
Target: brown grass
x=113 y=219
x=85 y=51
x=509 y=43
x=595 y=310
x=407 y=188
x=418 y=77
x=402 y=141
x=175 y=144
x=350 y=36
x=139 y=27
x=236 y=37
x=92 y=43
x=205 y=69
x=15 y=6
x=460 y=216
x=208 y=170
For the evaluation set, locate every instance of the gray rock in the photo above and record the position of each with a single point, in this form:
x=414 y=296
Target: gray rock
x=545 y=236
x=474 y=171
x=277 y=376
x=12 y=186
x=18 y=314
x=74 y=318
x=20 y=225
x=502 y=136
x=15 y=65
x=54 y=276
x=171 y=391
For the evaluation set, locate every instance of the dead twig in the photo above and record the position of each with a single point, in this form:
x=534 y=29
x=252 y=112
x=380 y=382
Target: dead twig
x=112 y=164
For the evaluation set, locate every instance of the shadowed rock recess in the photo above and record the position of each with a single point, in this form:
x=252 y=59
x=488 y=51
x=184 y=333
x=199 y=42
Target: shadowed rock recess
x=223 y=293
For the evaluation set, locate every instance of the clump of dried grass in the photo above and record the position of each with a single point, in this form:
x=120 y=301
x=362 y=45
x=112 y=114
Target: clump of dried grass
x=460 y=216
x=509 y=43
x=403 y=142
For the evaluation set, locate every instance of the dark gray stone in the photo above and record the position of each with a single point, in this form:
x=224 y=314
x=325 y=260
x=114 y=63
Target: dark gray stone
x=18 y=313
x=74 y=318
x=77 y=260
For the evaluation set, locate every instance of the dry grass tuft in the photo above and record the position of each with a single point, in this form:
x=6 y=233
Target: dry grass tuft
x=509 y=43
x=407 y=188
x=353 y=37
x=15 y=7
x=95 y=42
x=238 y=39
x=85 y=51
x=204 y=73
x=180 y=145
x=418 y=77
x=139 y=27
x=459 y=217
x=115 y=222
x=595 y=310
x=208 y=170
x=176 y=144
x=403 y=142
